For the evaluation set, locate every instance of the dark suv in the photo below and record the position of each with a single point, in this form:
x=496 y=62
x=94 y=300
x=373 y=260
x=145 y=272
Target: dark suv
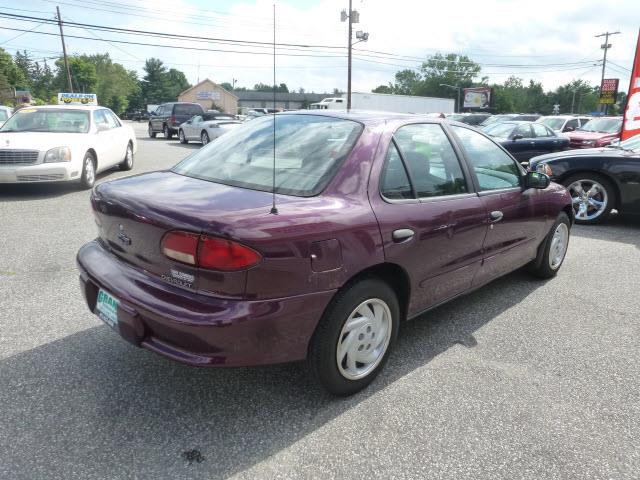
x=168 y=117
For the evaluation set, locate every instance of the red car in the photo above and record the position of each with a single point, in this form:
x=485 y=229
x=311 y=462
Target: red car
x=598 y=132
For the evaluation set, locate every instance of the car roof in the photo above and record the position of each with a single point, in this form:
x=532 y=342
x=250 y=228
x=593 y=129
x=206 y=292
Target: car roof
x=367 y=117
x=66 y=107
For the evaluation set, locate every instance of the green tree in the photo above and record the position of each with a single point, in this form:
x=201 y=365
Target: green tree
x=14 y=76
x=154 y=83
x=83 y=75
x=176 y=83
x=25 y=64
x=227 y=86
x=115 y=83
x=383 y=89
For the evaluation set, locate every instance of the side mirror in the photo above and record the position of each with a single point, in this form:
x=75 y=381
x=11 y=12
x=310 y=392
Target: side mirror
x=537 y=180
x=517 y=136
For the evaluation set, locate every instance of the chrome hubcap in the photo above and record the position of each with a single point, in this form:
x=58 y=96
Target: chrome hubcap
x=129 y=156
x=364 y=339
x=89 y=170
x=589 y=199
x=559 y=244
x=205 y=138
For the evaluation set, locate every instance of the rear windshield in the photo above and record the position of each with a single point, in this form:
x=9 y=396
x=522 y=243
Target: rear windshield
x=308 y=151
x=217 y=116
x=48 y=120
x=181 y=109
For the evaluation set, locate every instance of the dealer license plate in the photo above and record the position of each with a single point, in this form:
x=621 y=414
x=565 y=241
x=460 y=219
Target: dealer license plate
x=107 y=309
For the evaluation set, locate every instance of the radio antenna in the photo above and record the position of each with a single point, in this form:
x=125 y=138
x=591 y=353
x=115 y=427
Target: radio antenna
x=274 y=209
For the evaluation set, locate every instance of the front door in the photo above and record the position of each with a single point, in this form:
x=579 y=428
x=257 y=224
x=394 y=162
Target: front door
x=517 y=216
x=431 y=221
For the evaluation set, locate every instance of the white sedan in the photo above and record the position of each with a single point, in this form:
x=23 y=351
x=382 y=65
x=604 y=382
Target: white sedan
x=64 y=143
x=207 y=127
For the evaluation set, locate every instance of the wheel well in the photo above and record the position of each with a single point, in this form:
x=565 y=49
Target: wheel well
x=613 y=183
x=568 y=209
x=395 y=276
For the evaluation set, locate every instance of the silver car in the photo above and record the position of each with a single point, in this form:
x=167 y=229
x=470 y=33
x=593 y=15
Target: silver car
x=207 y=127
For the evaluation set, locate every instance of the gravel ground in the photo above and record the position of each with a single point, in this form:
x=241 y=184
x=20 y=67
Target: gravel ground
x=523 y=379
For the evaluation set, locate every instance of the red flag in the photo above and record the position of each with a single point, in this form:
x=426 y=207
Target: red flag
x=631 y=124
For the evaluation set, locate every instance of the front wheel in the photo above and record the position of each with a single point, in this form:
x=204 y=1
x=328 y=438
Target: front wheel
x=88 y=177
x=127 y=162
x=355 y=335
x=182 y=138
x=553 y=250
x=204 y=137
x=592 y=197
x=167 y=132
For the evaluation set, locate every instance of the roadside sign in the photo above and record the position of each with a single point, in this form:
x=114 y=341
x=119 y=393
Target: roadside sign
x=77 y=99
x=208 y=95
x=609 y=91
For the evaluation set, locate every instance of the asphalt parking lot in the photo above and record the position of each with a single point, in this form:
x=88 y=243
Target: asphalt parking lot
x=523 y=379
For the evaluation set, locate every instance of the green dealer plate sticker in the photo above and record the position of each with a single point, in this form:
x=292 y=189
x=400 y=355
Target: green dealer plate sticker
x=107 y=308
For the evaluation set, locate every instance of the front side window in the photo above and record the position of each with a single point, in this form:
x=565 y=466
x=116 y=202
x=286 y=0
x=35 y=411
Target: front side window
x=112 y=120
x=524 y=130
x=492 y=166
x=308 y=151
x=433 y=164
x=394 y=182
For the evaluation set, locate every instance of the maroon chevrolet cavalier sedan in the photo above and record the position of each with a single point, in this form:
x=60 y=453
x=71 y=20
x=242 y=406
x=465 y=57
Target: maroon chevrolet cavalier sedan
x=379 y=218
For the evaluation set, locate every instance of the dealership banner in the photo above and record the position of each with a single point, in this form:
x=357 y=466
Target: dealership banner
x=77 y=99
x=609 y=91
x=631 y=124
x=479 y=97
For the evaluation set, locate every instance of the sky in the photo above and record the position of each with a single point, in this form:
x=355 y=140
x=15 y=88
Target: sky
x=551 y=42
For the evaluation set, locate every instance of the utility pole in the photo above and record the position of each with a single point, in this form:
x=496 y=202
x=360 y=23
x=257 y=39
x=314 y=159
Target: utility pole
x=606 y=46
x=354 y=17
x=64 y=52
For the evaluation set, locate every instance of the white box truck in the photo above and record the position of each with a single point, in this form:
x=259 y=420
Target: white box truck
x=383 y=102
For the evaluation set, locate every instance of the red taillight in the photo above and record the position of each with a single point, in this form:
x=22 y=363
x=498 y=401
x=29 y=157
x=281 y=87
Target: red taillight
x=208 y=252
x=181 y=246
x=173 y=119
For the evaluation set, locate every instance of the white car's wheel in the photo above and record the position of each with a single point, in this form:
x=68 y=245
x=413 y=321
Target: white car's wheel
x=127 y=163
x=88 y=177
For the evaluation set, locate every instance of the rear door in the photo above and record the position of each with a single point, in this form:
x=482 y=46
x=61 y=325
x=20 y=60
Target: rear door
x=517 y=216
x=432 y=222
x=522 y=145
x=106 y=139
x=158 y=119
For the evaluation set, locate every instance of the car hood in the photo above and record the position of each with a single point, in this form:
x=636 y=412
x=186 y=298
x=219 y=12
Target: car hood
x=591 y=135
x=603 y=152
x=39 y=140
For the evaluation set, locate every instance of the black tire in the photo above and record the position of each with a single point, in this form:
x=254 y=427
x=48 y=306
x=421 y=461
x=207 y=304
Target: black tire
x=322 y=358
x=204 y=137
x=181 y=136
x=88 y=178
x=542 y=266
x=167 y=132
x=607 y=186
x=127 y=162
x=150 y=131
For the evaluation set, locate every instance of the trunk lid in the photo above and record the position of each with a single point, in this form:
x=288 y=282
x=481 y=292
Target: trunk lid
x=134 y=213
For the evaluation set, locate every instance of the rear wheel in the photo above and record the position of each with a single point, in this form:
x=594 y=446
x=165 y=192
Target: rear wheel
x=167 y=132
x=127 y=163
x=592 y=197
x=88 y=177
x=204 y=137
x=181 y=136
x=152 y=134
x=553 y=250
x=353 y=340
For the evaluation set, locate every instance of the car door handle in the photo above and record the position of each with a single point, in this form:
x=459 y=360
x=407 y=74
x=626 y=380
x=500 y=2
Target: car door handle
x=402 y=235
x=495 y=216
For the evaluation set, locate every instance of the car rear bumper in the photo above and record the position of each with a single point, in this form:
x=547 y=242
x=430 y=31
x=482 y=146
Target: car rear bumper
x=199 y=329
x=42 y=172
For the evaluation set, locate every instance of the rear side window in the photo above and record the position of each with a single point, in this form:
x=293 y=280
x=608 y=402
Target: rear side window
x=308 y=151
x=189 y=109
x=541 y=131
x=433 y=164
x=524 y=130
x=395 y=181
x=492 y=166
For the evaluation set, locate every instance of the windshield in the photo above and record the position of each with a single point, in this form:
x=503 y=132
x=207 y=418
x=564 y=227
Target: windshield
x=552 y=123
x=308 y=151
x=48 y=120
x=603 y=125
x=632 y=143
x=502 y=130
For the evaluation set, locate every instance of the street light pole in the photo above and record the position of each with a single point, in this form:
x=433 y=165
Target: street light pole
x=349 y=61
